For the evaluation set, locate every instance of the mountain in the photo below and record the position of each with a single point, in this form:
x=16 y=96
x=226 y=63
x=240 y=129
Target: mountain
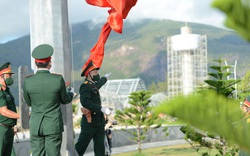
x=140 y=51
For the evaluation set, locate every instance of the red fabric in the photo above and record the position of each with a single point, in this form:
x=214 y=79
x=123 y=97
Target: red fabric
x=119 y=10
x=100 y=3
x=97 y=52
x=122 y=7
x=43 y=60
x=115 y=21
x=86 y=64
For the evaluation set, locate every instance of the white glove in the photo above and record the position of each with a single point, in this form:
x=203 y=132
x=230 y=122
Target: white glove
x=106 y=111
x=107 y=75
x=72 y=90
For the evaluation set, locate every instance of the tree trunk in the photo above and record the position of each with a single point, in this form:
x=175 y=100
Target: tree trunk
x=138 y=139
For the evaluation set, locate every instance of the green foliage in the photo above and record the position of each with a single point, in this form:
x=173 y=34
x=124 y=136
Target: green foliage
x=209 y=141
x=209 y=111
x=138 y=115
x=158 y=87
x=219 y=81
x=245 y=84
x=237 y=13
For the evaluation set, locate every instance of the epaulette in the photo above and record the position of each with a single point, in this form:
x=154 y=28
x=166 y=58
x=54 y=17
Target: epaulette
x=86 y=82
x=56 y=74
x=29 y=75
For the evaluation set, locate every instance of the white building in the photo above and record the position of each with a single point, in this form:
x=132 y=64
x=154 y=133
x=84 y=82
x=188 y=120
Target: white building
x=187 y=62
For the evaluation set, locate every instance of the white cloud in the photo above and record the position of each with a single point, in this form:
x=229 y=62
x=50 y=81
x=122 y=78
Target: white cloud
x=179 y=10
x=14 y=17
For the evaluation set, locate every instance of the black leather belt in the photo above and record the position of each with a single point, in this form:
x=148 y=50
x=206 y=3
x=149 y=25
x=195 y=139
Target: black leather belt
x=6 y=125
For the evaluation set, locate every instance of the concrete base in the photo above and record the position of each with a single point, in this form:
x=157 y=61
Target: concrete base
x=119 y=139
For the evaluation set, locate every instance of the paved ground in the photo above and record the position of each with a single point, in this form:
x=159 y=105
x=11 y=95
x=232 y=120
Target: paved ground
x=145 y=145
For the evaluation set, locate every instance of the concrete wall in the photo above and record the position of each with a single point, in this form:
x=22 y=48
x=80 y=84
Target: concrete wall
x=119 y=138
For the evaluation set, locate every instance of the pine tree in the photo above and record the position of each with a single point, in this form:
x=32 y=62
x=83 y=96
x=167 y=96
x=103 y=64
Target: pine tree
x=219 y=81
x=140 y=116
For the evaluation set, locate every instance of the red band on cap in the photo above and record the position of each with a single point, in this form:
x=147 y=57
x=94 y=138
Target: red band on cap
x=43 y=60
x=4 y=71
x=87 y=72
x=247 y=103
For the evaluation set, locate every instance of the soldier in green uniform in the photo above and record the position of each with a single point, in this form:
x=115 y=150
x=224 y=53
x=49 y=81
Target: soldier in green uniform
x=44 y=92
x=8 y=115
x=92 y=126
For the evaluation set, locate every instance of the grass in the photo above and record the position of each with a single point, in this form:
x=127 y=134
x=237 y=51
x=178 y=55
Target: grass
x=175 y=150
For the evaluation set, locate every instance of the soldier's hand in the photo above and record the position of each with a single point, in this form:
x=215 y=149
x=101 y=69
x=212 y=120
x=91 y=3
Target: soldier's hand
x=70 y=89
x=84 y=110
x=106 y=110
x=16 y=129
x=107 y=75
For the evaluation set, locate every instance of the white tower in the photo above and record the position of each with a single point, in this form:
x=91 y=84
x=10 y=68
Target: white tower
x=187 y=62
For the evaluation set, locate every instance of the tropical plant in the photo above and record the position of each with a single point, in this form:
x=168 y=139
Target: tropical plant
x=211 y=112
x=223 y=86
x=237 y=15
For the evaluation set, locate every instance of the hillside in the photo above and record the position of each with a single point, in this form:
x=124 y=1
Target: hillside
x=140 y=51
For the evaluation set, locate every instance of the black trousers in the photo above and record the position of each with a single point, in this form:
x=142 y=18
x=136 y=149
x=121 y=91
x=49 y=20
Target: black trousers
x=87 y=133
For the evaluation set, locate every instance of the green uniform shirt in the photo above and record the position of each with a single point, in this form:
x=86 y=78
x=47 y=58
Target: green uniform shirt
x=7 y=99
x=44 y=92
x=90 y=99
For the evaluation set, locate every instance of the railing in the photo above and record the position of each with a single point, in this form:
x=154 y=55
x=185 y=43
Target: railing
x=119 y=138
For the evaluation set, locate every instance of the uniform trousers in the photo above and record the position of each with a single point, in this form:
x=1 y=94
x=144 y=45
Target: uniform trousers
x=46 y=145
x=6 y=140
x=87 y=133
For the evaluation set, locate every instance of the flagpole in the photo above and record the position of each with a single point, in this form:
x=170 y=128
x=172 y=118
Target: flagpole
x=49 y=24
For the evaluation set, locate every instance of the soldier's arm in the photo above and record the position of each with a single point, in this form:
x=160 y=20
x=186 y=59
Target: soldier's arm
x=25 y=95
x=66 y=97
x=101 y=82
x=4 y=111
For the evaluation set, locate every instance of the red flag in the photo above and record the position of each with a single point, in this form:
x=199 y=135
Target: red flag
x=97 y=52
x=119 y=10
x=100 y=3
x=122 y=6
x=115 y=21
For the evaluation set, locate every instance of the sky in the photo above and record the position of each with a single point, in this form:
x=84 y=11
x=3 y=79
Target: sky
x=14 y=16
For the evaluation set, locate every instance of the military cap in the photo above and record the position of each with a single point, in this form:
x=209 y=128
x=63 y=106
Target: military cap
x=43 y=53
x=89 y=66
x=5 y=69
x=247 y=101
